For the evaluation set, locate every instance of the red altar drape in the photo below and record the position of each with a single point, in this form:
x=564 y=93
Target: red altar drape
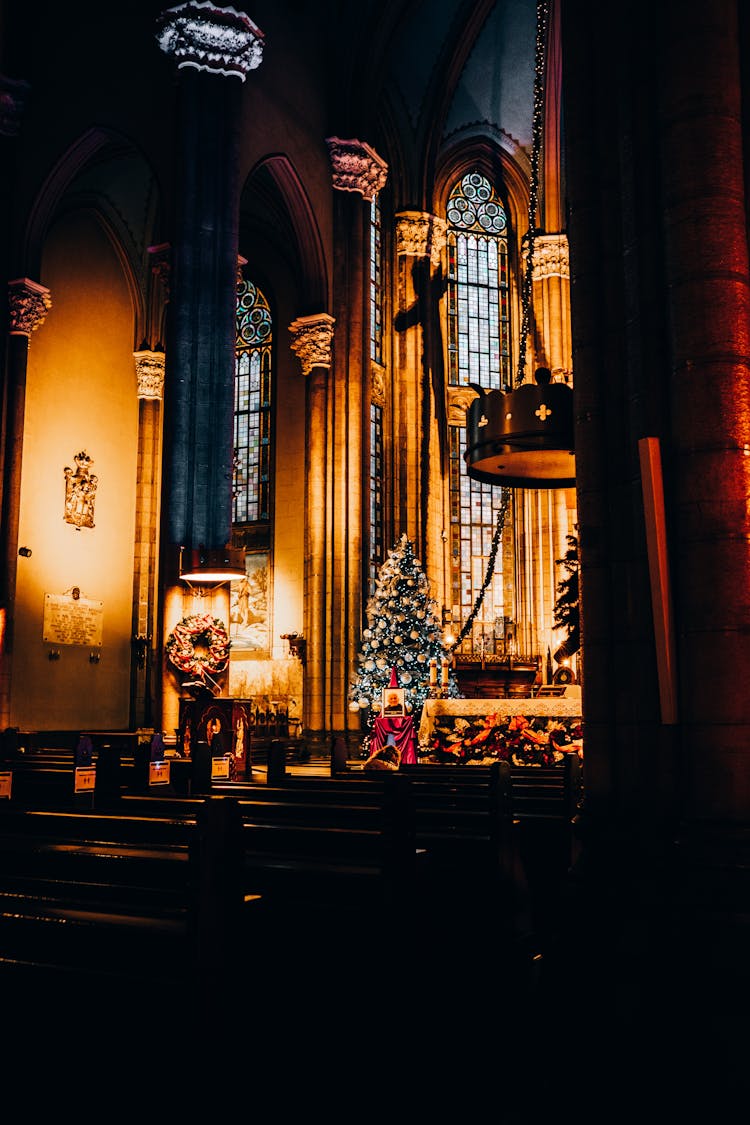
x=402 y=728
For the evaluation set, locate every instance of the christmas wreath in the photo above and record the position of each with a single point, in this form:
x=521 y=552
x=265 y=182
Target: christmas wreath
x=206 y=631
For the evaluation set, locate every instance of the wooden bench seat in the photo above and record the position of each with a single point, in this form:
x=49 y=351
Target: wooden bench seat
x=109 y=893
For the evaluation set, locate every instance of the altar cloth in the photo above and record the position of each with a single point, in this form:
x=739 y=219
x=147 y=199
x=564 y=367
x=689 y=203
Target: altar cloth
x=402 y=729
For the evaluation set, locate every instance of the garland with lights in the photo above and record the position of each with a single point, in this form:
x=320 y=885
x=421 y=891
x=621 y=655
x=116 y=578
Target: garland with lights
x=204 y=630
x=540 y=62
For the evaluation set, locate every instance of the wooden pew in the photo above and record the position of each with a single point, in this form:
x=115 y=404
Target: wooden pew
x=336 y=854
x=153 y=899
x=463 y=830
x=45 y=776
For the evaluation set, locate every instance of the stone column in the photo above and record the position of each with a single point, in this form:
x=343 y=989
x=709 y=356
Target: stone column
x=708 y=332
x=420 y=471
x=149 y=367
x=358 y=174
x=13 y=95
x=548 y=514
x=28 y=304
x=214 y=49
x=312 y=339
x=660 y=310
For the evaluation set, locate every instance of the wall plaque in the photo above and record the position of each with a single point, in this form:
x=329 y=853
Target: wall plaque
x=72 y=621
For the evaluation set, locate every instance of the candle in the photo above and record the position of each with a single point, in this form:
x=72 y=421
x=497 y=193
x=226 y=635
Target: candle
x=444 y=673
x=433 y=672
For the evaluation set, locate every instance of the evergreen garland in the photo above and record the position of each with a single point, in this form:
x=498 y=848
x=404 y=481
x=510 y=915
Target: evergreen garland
x=567 y=612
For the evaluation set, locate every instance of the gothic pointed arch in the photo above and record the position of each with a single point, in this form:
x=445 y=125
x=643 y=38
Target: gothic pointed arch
x=105 y=176
x=275 y=200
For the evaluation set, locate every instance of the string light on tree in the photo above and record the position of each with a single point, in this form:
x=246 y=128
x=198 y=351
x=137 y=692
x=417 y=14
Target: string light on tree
x=404 y=632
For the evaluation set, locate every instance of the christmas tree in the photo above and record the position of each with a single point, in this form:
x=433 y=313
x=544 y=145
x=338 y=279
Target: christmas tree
x=404 y=633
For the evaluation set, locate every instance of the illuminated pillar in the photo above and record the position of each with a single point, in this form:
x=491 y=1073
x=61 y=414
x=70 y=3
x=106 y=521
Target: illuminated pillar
x=358 y=174
x=419 y=436
x=29 y=304
x=149 y=367
x=312 y=339
x=549 y=514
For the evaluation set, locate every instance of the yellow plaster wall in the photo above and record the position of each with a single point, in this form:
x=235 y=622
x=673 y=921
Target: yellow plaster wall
x=81 y=394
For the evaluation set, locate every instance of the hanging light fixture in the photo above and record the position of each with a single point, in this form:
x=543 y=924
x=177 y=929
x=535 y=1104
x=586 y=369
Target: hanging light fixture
x=524 y=438
x=200 y=565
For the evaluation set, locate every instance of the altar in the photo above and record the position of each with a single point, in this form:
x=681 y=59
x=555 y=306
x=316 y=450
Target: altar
x=535 y=730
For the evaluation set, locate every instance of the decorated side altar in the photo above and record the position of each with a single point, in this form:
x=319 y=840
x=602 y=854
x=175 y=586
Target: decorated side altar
x=537 y=730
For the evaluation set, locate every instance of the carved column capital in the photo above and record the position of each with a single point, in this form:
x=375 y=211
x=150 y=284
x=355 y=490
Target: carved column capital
x=459 y=401
x=219 y=40
x=356 y=167
x=551 y=256
x=29 y=304
x=420 y=235
x=149 y=370
x=13 y=96
x=313 y=337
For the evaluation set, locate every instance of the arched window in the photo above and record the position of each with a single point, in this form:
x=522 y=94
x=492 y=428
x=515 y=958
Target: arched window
x=479 y=352
x=252 y=408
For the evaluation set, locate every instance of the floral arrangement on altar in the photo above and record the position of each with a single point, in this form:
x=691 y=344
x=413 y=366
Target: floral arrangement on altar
x=522 y=741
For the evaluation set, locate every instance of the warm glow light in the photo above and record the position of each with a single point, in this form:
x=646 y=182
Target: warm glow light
x=229 y=574
x=227 y=565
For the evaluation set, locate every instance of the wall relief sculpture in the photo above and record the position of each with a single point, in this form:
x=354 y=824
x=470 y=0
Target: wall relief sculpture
x=80 y=492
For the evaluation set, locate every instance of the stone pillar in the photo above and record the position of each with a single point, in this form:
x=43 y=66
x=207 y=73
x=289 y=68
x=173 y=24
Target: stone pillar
x=420 y=470
x=551 y=302
x=214 y=49
x=312 y=338
x=661 y=312
x=149 y=367
x=548 y=514
x=708 y=332
x=28 y=305
x=358 y=174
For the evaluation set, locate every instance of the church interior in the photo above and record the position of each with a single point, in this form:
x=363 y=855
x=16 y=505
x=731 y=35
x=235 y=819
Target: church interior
x=405 y=346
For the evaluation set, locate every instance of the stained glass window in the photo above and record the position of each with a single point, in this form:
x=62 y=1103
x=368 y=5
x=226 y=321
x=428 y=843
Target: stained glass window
x=479 y=352
x=376 y=284
x=252 y=407
x=376 y=411
x=376 y=501
x=478 y=318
